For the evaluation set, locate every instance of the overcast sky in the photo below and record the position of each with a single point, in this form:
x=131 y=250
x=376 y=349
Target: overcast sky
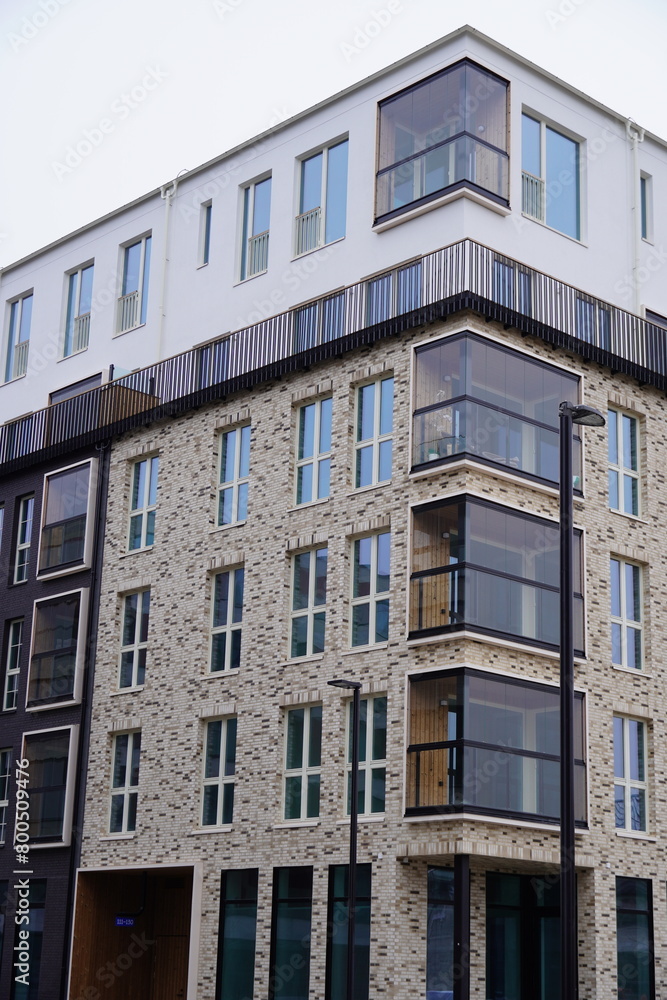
x=149 y=87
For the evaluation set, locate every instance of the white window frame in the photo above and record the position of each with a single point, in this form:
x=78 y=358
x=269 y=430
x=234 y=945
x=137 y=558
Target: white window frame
x=127 y=789
x=229 y=627
x=205 y=219
x=377 y=439
x=629 y=784
x=48 y=574
x=130 y=317
x=6 y=755
x=366 y=764
x=70 y=783
x=15 y=360
x=646 y=206
x=80 y=651
x=545 y=124
x=26 y=515
x=312 y=609
x=80 y=321
x=318 y=223
x=138 y=645
x=374 y=596
x=619 y=468
x=318 y=457
x=247 y=225
x=239 y=478
x=621 y=621
x=12 y=664
x=220 y=780
x=305 y=770
x=144 y=507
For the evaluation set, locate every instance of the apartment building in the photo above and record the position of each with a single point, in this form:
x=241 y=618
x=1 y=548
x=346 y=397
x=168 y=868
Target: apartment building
x=360 y=481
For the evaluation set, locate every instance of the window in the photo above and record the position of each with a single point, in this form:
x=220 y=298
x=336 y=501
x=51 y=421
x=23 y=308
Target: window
x=255 y=234
x=136 y=608
x=133 y=301
x=76 y=389
x=143 y=503
x=77 y=319
x=234 y=472
x=370 y=590
x=303 y=760
x=56 y=663
x=124 y=782
x=67 y=510
x=227 y=618
x=634 y=938
x=319 y=323
x=623 y=462
x=626 y=614
x=313 y=459
x=550 y=177
x=646 y=206
x=23 y=539
x=290 y=931
x=18 y=339
x=5 y=775
x=475 y=399
x=35 y=928
x=440 y=933
x=447 y=132
x=630 y=774
x=485 y=568
x=2 y=522
x=393 y=294
x=479 y=743
x=374 y=426
x=205 y=233
x=322 y=199
x=13 y=664
x=309 y=595
x=219 y=770
x=51 y=757
x=512 y=286
x=593 y=322
x=372 y=756
x=235 y=979
x=337 y=921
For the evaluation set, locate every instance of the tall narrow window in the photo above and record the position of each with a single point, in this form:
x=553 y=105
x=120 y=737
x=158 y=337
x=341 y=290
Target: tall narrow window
x=136 y=608
x=440 y=932
x=235 y=978
x=646 y=206
x=124 y=782
x=77 y=320
x=35 y=928
x=143 y=503
x=227 y=620
x=133 y=301
x=630 y=774
x=313 y=459
x=550 y=177
x=51 y=757
x=623 y=462
x=23 y=539
x=626 y=614
x=303 y=761
x=205 y=233
x=370 y=590
x=18 y=339
x=56 y=662
x=309 y=595
x=337 y=928
x=67 y=498
x=5 y=774
x=13 y=664
x=634 y=939
x=255 y=238
x=234 y=473
x=322 y=199
x=372 y=755
x=290 y=931
x=374 y=427
x=219 y=770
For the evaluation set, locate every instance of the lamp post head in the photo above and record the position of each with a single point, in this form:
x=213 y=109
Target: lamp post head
x=342 y=682
x=583 y=414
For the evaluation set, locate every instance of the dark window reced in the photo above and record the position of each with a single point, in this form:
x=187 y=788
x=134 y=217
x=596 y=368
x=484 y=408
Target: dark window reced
x=236 y=939
x=48 y=754
x=75 y=389
x=54 y=651
x=440 y=933
x=290 y=933
x=337 y=927
x=634 y=938
x=66 y=510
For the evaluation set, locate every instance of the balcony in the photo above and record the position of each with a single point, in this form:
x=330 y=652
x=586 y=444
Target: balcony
x=457 y=277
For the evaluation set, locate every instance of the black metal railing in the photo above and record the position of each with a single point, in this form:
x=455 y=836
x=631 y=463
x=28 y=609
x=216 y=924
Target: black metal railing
x=464 y=275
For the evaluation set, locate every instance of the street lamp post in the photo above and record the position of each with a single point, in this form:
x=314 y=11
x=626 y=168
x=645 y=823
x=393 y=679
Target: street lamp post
x=355 y=687
x=569 y=414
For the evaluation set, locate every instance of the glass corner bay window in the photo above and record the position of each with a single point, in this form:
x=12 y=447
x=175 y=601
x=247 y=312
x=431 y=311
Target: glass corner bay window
x=446 y=132
x=67 y=498
x=480 y=567
x=477 y=399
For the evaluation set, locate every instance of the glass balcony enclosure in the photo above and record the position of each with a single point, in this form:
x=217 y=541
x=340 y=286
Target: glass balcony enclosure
x=480 y=400
x=483 y=743
x=485 y=568
x=446 y=132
